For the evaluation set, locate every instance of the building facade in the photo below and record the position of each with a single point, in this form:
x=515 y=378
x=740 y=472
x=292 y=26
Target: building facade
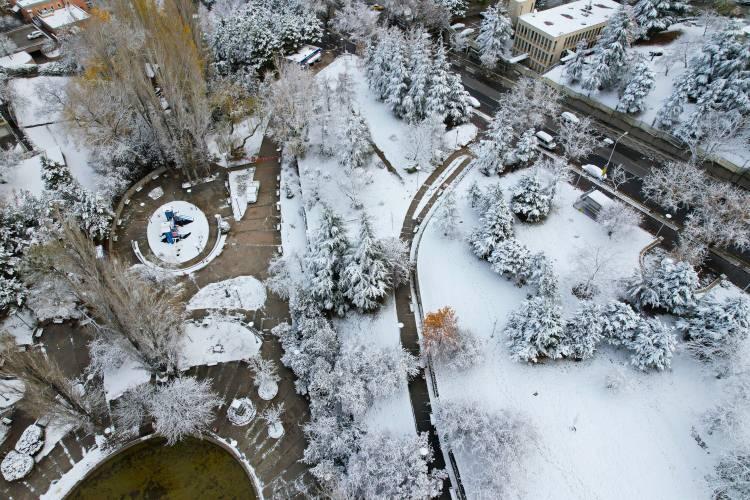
x=544 y=36
x=31 y=8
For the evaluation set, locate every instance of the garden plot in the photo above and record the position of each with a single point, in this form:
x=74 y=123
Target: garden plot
x=591 y=441
x=216 y=339
x=240 y=293
x=668 y=68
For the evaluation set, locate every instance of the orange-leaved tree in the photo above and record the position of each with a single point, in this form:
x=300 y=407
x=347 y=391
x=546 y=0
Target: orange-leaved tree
x=440 y=332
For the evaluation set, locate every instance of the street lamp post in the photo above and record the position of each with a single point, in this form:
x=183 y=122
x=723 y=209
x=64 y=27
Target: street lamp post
x=613 y=149
x=669 y=217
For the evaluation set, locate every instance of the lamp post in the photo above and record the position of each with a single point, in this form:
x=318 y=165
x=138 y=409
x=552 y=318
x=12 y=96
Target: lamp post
x=669 y=217
x=613 y=149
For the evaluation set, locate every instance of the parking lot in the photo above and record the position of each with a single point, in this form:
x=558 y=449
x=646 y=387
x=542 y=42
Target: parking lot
x=19 y=37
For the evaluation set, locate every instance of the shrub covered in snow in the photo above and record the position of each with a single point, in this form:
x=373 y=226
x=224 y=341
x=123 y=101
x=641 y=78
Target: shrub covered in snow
x=535 y=330
x=387 y=466
x=31 y=440
x=715 y=329
x=511 y=259
x=667 y=285
x=583 y=331
x=16 y=466
x=619 y=323
x=542 y=276
x=653 y=345
x=530 y=201
x=731 y=477
x=266 y=378
x=497 y=441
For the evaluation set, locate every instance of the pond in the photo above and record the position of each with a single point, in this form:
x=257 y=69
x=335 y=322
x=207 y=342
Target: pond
x=190 y=469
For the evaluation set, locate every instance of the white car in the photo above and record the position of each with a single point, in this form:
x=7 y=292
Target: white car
x=594 y=171
x=34 y=35
x=569 y=117
x=474 y=102
x=546 y=140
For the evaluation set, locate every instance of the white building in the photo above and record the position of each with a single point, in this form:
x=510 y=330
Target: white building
x=545 y=35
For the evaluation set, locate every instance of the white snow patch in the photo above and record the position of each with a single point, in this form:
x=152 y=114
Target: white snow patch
x=185 y=249
x=243 y=191
x=216 y=339
x=242 y=292
x=118 y=380
x=20 y=324
x=460 y=136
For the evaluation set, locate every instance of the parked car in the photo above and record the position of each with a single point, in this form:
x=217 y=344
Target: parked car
x=34 y=35
x=594 y=171
x=546 y=140
x=569 y=117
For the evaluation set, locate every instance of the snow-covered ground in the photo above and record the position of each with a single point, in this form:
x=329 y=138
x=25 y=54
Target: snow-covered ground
x=20 y=325
x=216 y=339
x=118 y=380
x=668 y=68
x=240 y=293
x=250 y=132
x=243 y=190
x=42 y=122
x=186 y=249
x=592 y=442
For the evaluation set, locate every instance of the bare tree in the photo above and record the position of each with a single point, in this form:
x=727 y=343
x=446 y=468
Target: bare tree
x=712 y=130
x=47 y=391
x=593 y=268
x=676 y=185
x=357 y=19
x=618 y=218
x=617 y=176
x=289 y=103
x=577 y=138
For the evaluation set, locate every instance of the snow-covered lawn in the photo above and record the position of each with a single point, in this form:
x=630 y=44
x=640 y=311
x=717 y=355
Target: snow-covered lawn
x=240 y=293
x=118 y=380
x=216 y=339
x=668 y=68
x=186 y=249
x=243 y=190
x=592 y=441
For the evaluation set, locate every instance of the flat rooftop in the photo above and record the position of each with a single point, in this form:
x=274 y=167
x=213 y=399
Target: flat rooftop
x=572 y=17
x=60 y=18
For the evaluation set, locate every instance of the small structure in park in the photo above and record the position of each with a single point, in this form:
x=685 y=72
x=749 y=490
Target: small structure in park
x=170 y=229
x=592 y=202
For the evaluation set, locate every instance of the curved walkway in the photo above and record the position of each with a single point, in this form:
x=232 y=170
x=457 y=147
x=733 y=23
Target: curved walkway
x=408 y=309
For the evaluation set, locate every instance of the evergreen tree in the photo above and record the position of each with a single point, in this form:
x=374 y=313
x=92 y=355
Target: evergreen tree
x=611 y=50
x=525 y=149
x=583 y=331
x=355 y=147
x=398 y=78
x=535 y=330
x=654 y=16
x=511 y=259
x=448 y=216
x=366 y=278
x=495 y=226
x=639 y=85
x=475 y=195
x=420 y=70
x=716 y=329
x=456 y=7
x=668 y=285
x=542 y=276
x=324 y=262
x=575 y=67
x=530 y=202
x=439 y=90
x=495 y=31
x=490 y=152
x=619 y=323
x=653 y=345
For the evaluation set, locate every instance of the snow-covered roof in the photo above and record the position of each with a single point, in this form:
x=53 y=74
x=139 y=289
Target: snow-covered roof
x=66 y=16
x=24 y=4
x=572 y=17
x=600 y=198
x=15 y=60
x=306 y=54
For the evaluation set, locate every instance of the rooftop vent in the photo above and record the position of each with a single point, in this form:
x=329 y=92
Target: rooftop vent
x=548 y=23
x=567 y=15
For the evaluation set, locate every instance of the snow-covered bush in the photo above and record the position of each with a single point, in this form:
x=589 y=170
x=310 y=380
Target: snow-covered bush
x=618 y=219
x=619 y=323
x=498 y=442
x=731 y=477
x=530 y=201
x=541 y=275
x=31 y=440
x=241 y=411
x=272 y=416
x=445 y=342
x=511 y=259
x=653 y=345
x=716 y=329
x=266 y=378
x=448 y=216
x=16 y=466
x=583 y=331
x=535 y=330
x=51 y=298
x=667 y=285
x=495 y=226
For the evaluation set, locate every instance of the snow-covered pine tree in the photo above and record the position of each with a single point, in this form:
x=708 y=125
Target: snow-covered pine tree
x=575 y=67
x=378 y=55
x=639 y=85
x=490 y=152
x=448 y=216
x=439 y=90
x=475 y=195
x=611 y=50
x=530 y=202
x=495 y=226
x=398 y=77
x=668 y=286
x=542 y=276
x=456 y=7
x=365 y=279
x=716 y=329
x=583 y=331
x=654 y=16
x=525 y=149
x=535 y=330
x=56 y=176
x=511 y=259
x=355 y=147
x=420 y=71
x=619 y=323
x=653 y=345
x=324 y=262
x=495 y=31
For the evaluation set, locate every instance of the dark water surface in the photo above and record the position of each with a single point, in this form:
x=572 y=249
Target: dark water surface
x=191 y=469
